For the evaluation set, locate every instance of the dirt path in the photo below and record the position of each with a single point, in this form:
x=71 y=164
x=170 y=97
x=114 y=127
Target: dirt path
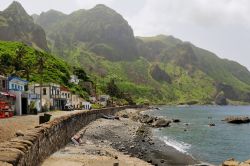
x=9 y=126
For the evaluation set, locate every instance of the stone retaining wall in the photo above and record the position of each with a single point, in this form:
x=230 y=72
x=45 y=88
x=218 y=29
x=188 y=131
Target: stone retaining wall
x=39 y=143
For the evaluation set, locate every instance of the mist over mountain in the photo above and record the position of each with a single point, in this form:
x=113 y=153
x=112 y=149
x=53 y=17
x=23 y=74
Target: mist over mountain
x=159 y=69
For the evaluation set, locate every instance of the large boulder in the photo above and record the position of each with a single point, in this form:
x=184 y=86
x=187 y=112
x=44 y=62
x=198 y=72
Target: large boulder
x=237 y=119
x=161 y=122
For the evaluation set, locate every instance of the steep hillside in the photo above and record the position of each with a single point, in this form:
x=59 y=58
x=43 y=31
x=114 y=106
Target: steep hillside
x=225 y=73
x=17 y=25
x=24 y=61
x=101 y=29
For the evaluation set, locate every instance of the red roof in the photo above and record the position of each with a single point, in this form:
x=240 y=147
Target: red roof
x=63 y=88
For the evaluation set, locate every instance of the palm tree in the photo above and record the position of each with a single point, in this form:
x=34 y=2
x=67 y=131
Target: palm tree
x=40 y=62
x=20 y=53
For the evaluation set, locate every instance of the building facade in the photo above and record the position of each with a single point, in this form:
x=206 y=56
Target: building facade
x=17 y=86
x=66 y=94
x=51 y=96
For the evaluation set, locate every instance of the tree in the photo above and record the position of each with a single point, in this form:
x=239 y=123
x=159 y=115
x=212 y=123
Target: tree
x=41 y=59
x=112 y=89
x=80 y=73
x=20 y=53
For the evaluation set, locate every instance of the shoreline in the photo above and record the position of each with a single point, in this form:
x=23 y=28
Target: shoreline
x=123 y=140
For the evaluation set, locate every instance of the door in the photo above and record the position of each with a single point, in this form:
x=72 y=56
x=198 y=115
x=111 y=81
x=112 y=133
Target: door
x=24 y=106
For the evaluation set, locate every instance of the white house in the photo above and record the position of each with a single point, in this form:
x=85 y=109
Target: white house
x=103 y=99
x=66 y=94
x=51 y=96
x=86 y=105
x=74 y=79
x=17 y=87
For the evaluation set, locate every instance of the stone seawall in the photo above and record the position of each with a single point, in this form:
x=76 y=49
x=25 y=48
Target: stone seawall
x=39 y=143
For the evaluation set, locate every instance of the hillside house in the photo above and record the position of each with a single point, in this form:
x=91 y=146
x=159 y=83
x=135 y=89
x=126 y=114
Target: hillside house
x=74 y=79
x=103 y=100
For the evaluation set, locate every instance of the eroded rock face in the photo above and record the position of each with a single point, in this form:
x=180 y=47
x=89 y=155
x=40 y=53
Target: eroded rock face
x=237 y=119
x=220 y=99
x=160 y=75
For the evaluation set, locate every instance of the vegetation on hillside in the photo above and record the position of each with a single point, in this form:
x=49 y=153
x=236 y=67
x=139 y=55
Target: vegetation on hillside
x=21 y=60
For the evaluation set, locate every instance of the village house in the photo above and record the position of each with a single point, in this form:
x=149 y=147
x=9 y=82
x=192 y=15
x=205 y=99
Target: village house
x=51 y=96
x=86 y=105
x=33 y=98
x=7 y=100
x=66 y=94
x=17 y=86
x=103 y=100
x=77 y=101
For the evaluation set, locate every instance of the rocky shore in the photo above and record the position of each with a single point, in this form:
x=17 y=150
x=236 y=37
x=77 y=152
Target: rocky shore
x=233 y=162
x=126 y=140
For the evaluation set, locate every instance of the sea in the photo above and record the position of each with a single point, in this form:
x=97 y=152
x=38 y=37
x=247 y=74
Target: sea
x=194 y=136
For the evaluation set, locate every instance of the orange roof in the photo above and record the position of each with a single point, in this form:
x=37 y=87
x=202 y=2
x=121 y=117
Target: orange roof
x=63 y=88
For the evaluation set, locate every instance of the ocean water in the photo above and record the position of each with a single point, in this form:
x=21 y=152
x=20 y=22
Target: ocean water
x=208 y=144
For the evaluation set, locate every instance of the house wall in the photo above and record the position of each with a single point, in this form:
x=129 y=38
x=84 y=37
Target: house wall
x=45 y=97
x=66 y=95
x=3 y=83
x=75 y=101
x=39 y=143
x=18 y=102
x=16 y=85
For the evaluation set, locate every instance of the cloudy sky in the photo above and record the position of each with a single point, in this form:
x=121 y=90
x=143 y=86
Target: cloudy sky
x=221 y=26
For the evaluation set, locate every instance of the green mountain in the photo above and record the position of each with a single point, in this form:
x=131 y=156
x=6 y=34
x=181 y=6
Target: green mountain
x=17 y=25
x=159 y=69
x=229 y=76
x=101 y=30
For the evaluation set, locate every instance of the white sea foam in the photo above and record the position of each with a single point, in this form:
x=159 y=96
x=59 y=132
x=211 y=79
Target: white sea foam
x=180 y=146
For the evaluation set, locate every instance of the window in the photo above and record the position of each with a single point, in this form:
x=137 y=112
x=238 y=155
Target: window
x=4 y=84
x=68 y=95
x=18 y=87
x=57 y=92
x=12 y=86
x=44 y=91
x=21 y=87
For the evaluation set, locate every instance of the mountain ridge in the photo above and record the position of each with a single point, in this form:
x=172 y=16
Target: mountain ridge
x=17 y=25
x=157 y=69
